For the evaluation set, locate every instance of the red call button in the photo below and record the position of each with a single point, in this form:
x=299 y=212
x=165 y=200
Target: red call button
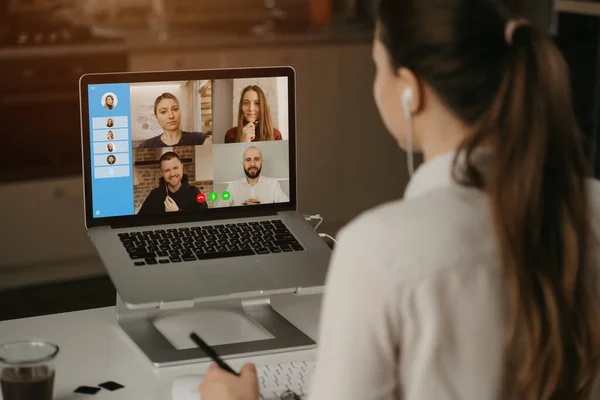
x=201 y=198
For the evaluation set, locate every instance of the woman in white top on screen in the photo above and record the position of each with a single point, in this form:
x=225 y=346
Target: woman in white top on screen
x=482 y=283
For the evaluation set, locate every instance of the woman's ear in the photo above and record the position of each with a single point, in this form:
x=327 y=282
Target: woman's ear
x=408 y=80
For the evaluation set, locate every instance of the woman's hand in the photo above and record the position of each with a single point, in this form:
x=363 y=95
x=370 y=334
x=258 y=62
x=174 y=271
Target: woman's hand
x=249 y=132
x=219 y=384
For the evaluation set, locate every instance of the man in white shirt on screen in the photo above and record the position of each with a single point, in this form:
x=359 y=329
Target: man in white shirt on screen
x=254 y=188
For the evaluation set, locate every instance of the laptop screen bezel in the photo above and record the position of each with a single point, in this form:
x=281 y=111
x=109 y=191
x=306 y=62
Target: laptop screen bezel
x=164 y=76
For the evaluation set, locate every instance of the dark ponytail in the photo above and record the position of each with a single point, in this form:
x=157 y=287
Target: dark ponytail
x=540 y=208
x=518 y=98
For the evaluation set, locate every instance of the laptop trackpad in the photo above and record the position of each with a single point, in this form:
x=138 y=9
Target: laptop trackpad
x=215 y=326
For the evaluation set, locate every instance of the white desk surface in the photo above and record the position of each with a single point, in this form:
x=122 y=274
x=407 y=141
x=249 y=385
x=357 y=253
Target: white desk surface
x=94 y=349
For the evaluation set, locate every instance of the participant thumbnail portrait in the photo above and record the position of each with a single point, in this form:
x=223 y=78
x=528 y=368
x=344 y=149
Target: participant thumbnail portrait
x=251 y=173
x=171 y=179
x=167 y=114
x=109 y=101
x=250 y=110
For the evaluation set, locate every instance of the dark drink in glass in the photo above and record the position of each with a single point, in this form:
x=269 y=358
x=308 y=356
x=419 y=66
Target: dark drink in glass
x=27 y=370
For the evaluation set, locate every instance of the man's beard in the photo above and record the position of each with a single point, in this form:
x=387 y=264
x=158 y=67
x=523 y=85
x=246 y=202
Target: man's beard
x=251 y=175
x=174 y=181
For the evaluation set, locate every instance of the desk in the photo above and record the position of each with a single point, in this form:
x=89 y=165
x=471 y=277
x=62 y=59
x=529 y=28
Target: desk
x=93 y=349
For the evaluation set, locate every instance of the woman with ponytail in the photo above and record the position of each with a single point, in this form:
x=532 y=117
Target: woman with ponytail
x=482 y=282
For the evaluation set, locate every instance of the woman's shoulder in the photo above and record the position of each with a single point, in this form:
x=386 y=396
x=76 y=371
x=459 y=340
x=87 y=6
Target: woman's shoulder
x=276 y=134
x=194 y=134
x=401 y=216
x=152 y=142
x=593 y=187
x=425 y=234
x=377 y=222
x=230 y=135
x=192 y=138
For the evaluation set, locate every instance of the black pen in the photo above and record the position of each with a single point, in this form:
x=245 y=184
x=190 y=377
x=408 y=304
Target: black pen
x=211 y=353
x=214 y=356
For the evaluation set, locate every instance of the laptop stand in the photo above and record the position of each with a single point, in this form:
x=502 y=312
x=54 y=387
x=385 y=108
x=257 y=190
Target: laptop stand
x=139 y=325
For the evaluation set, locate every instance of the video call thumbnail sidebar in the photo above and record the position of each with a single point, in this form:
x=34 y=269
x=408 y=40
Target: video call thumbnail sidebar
x=111 y=161
x=124 y=120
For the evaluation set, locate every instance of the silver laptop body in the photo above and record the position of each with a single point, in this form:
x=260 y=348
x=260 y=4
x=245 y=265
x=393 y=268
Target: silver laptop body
x=201 y=279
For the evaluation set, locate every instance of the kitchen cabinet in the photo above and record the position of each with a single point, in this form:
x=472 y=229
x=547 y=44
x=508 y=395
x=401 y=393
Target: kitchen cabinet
x=584 y=7
x=175 y=61
x=43 y=228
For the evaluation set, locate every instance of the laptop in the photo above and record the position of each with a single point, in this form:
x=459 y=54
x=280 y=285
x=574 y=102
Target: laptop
x=190 y=185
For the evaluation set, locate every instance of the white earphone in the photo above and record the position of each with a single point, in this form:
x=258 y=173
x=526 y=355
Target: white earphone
x=407 y=96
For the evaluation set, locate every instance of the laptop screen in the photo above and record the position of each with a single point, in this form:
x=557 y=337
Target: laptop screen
x=169 y=146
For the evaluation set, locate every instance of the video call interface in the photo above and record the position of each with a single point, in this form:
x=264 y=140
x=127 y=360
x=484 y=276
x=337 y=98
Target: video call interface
x=166 y=147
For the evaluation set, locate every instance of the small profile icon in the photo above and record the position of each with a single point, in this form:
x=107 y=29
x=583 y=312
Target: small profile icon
x=110 y=135
x=111 y=159
x=109 y=101
x=110 y=123
x=110 y=147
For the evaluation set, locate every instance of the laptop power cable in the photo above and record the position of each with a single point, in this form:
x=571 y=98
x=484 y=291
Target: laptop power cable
x=312 y=217
x=324 y=235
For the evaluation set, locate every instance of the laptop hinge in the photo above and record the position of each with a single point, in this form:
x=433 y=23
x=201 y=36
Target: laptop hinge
x=204 y=217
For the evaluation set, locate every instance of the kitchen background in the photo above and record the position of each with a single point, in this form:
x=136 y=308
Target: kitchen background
x=46 y=261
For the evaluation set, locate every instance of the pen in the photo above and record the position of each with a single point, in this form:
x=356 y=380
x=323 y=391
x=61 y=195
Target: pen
x=211 y=353
x=215 y=357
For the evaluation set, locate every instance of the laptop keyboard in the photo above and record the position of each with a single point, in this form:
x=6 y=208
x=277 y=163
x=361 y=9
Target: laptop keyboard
x=276 y=379
x=165 y=246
